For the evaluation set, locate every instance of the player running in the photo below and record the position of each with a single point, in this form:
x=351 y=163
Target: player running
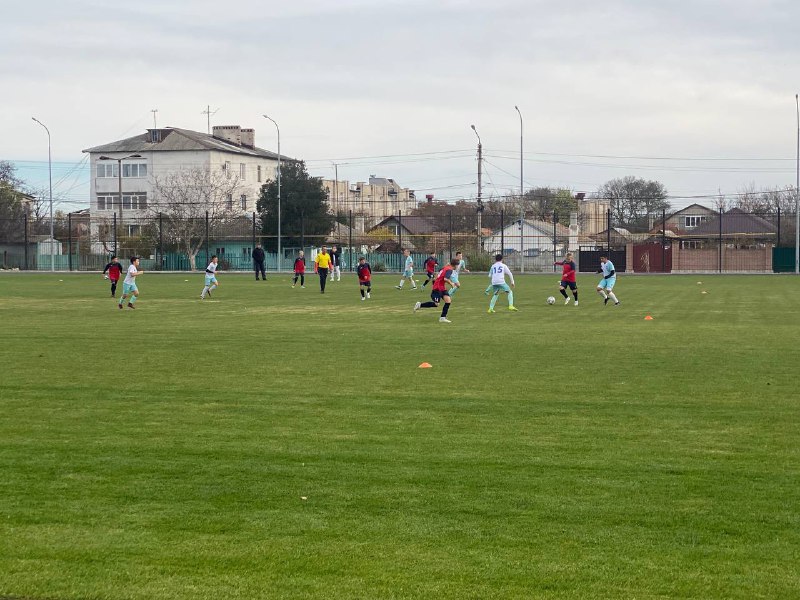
x=568 y=278
x=462 y=264
x=114 y=270
x=129 y=284
x=364 y=277
x=442 y=287
x=430 y=269
x=300 y=269
x=408 y=271
x=498 y=273
x=606 y=286
x=211 y=282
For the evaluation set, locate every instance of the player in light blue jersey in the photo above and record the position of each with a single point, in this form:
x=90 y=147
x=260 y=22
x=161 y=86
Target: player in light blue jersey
x=606 y=286
x=408 y=271
x=498 y=273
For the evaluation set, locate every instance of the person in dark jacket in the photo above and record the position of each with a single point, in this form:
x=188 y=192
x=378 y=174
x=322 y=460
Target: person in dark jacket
x=258 y=261
x=336 y=266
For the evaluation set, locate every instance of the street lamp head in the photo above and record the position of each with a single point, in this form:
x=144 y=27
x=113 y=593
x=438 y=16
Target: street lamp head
x=105 y=158
x=473 y=128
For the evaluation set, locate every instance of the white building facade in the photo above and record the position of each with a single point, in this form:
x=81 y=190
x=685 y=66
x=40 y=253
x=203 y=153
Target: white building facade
x=159 y=153
x=370 y=202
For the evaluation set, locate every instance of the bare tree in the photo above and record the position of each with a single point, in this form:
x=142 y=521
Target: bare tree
x=184 y=199
x=634 y=200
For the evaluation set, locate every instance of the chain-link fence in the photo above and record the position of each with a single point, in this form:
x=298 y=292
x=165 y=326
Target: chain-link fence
x=692 y=240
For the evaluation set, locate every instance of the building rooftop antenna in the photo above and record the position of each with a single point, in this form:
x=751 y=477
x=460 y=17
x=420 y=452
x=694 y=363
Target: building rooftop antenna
x=209 y=113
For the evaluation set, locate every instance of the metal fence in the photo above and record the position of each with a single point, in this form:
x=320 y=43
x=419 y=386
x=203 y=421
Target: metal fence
x=530 y=241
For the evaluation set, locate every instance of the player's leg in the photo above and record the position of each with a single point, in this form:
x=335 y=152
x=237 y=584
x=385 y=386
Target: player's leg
x=124 y=294
x=445 y=309
x=134 y=297
x=294 y=280
x=369 y=289
x=363 y=292
x=113 y=288
x=413 y=283
x=495 y=295
x=601 y=290
x=302 y=280
x=574 y=288
x=563 y=292
x=611 y=293
x=511 y=299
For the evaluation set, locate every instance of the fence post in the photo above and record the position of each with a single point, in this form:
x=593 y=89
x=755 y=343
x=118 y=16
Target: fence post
x=160 y=242
x=502 y=232
x=350 y=240
x=720 y=240
x=115 y=235
x=254 y=233
x=400 y=228
x=608 y=231
x=555 y=240
x=779 y=225
x=69 y=240
x=450 y=231
x=25 y=226
x=663 y=240
x=207 y=241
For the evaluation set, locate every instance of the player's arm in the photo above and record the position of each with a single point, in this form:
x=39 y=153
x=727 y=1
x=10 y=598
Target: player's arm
x=510 y=275
x=610 y=274
x=108 y=266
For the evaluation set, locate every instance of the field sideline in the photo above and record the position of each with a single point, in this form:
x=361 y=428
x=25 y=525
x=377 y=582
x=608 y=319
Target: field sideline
x=277 y=443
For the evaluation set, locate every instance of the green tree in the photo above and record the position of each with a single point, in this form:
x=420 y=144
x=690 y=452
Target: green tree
x=304 y=207
x=633 y=200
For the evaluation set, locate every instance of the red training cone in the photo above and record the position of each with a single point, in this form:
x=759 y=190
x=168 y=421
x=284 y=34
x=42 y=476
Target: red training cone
x=425 y=366
x=648 y=318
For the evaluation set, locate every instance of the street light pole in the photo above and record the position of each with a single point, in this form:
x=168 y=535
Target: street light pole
x=119 y=187
x=50 y=173
x=797 y=195
x=480 y=189
x=280 y=257
x=521 y=196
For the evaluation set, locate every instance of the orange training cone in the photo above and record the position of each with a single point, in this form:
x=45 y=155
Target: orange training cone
x=648 y=318
x=425 y=366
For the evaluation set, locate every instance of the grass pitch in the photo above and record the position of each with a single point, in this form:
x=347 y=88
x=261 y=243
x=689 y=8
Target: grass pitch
x=278 y=443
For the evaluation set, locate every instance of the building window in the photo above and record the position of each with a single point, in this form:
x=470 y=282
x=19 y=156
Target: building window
x=243 y=198
x=229 y=201
x=691 y=244
x=134 y=230
x=134 y=201
x=242 y=171
x=134 y=170
x=107 y=169
x=101 y=203
x=226 y=168
x=690 y=221
x=259 y=173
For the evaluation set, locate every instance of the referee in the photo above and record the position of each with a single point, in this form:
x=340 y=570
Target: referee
x=321 y=265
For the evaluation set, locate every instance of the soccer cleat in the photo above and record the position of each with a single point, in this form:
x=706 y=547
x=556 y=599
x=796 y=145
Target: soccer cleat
x=399 y=287
x=566 y=301
x=202 y=297
x=293 y=287
x=490 y=311
x=209 y=293
x=605 y=300
x=363 y=298
x=302 y=287
x=129 y=305
x=417 y=306
x=514 y=308
x=444 y=320
x=616 y=303
x=120 y=306
x=368 y=296
x=576 y=303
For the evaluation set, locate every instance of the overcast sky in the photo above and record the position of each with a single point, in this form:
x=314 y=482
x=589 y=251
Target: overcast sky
x=607 y=89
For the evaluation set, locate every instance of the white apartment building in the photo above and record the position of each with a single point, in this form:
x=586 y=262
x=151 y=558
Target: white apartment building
x=371 y=202
x=229 y=150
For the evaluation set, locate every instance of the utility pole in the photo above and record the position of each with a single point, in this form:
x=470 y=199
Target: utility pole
x=209 y=113
x=521 y=196
x=50 y=172
x=480 y=188
x=154 y=111
x=336 y=186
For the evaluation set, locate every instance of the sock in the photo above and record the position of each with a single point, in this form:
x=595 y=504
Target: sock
x=362 y=293
x=511 y=298
x=402 y=281
x=575 y=293
x=302 y=279
x=121 y=300
x=295 y=280
x=213 y=287
x=493 y=301
x=428 y=305
x=424 y=283
x=203 y=293
x=445 y=309
x=133 y=299
x=563 y=292
x=488 y=289
x=613 y=297
x=369 y=289
x=602 y=293
x=114 y=288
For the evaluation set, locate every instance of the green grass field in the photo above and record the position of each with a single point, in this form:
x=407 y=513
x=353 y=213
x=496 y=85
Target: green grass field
x=278 y=443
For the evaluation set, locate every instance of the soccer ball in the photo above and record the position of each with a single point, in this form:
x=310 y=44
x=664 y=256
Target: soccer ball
x=551 y=300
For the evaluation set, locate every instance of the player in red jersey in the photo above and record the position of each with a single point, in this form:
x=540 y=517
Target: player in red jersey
x=300 y=269
x=114 y=270
x=445 y=281
x=568 y=278
x=364 y=277
x=430 y=268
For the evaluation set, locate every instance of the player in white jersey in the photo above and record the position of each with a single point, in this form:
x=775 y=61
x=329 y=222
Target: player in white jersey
x=129 y=285
x=408 y=271
x=498 y=273
x=211 y=282
x=606 y=286
x=462 y=264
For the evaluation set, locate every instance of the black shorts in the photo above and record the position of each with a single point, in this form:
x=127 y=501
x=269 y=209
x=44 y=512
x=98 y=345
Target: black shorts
x=367 y=283
x=569 y=284
x=437 y=295
x=430 y=275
